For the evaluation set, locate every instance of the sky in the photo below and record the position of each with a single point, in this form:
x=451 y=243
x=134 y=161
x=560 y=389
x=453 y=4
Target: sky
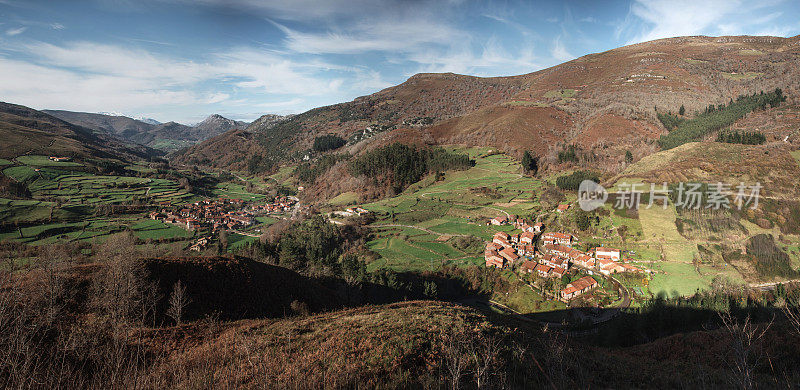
x=181 y=60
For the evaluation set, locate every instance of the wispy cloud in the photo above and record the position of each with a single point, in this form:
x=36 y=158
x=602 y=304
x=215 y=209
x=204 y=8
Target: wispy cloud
x=366 y=37
x=655 y=19
x=559 y=51
x=125 y=79
x=15 y=31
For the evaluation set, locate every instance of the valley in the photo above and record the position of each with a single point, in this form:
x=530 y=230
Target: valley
x=435 y=232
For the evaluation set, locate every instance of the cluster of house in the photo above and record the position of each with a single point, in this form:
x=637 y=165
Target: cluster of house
x=279 y=205
x=59 y=158
x=555 y=257
x=200 y=244
x=217 y=214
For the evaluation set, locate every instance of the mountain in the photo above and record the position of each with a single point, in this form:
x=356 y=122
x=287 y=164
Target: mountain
x=164 y=136
x=25 y=131
x=217 y=124
x=604 y=103
x=149 y=121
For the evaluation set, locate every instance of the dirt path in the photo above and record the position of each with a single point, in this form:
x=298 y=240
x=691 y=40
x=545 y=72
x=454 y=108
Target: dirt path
x=770 y=285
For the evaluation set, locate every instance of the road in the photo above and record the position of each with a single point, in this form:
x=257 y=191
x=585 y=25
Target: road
x=771 y=285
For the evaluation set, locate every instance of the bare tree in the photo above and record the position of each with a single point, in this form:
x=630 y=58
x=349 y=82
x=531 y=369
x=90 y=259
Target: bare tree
x=792 y=314
x=483 y=350
x=454 y=353
x=178 y=300
x=745 y=338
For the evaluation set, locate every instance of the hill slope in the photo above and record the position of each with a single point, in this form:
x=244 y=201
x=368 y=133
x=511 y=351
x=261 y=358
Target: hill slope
x=602 y=101
x=26 y=131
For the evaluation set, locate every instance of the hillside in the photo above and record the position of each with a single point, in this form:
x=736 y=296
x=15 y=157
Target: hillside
x=25 y=131
x=605 y=103
x=234 y=287
x=418 y=344
x=771 y=165
x=164 y=136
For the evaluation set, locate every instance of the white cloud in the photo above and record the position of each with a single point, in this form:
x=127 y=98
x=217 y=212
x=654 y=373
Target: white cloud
x=559 y=51
x=88 y=76
x=372 y=36
x=15 y=31
x=655 y=19
x=57 y=26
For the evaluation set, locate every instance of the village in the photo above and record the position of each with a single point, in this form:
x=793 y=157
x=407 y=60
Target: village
x=211 y=216
x=553 y=257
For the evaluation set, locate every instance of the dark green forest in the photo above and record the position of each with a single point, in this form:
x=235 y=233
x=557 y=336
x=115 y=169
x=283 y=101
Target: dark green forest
x=405 y=164
x=718 y=117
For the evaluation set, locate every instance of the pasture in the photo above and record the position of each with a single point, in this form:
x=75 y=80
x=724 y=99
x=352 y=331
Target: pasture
x=44 y=161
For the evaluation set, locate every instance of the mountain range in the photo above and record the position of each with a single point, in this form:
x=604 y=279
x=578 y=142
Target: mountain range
x=163 y=136
x=604 y=104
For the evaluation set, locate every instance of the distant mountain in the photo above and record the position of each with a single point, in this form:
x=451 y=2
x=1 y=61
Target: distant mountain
x=149 y=121
x=163 y=136
x=24 y=131
x=217 y=124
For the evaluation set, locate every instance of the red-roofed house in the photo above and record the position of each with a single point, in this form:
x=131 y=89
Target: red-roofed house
x=558 y=250
x=557 y=238
x=493 y=259
x=608 y=266
x=584 y=260
x=543 y=270
x=501 y=220
x=509 y=254
x=611 y=253
x=562 y=208
x=526 y=250
x=528 y=266
x=526 y=238
x=578 y=287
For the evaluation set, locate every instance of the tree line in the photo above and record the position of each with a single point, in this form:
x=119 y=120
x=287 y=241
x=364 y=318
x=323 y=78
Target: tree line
x=405 y=165
x=717 y=117
x=745 y=137
x=573 y=181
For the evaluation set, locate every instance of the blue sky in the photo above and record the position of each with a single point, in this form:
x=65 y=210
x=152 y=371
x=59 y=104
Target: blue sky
x=182 y=60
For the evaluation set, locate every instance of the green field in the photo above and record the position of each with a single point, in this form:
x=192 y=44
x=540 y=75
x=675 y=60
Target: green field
x=153 y=229
x=658 y=227
x=44 y=161
x=235 y=191
x=449 y=207
x=560 y=93
x=345 y=198
x=236 y=241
